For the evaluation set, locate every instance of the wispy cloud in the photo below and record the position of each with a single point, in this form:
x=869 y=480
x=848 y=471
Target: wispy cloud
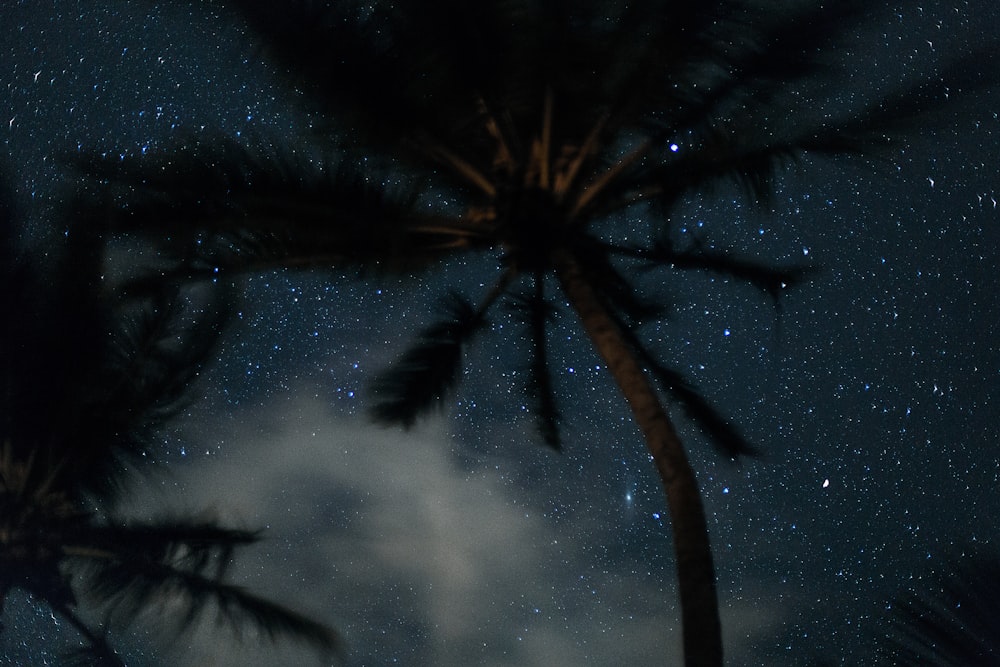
x=419 y=558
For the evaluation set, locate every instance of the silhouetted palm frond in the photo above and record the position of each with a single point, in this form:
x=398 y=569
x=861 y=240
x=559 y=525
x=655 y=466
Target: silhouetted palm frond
x=721 y=433
x=770 y=279
x=619 y=288
x=182 y=564
x=953 y=622
x=97 y=652
x=223 y=208
x=430 y=369
x=152 y=356
x=538 y=313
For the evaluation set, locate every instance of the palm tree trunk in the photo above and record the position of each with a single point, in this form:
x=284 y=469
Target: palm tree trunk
x=696 y=573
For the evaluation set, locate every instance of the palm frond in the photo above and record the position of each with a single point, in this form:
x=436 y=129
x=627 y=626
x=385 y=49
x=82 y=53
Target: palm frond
x=220 y=207
x=662 y=48
x=156 y=355
x=721 y=433
x=240 y=609
x=741 y=147
x=200 y=545
x=722 y=155
x=769 y=279
x=909 y=111
x=45 y=372
x=430 y=369
x=86 y=382
x=538 y=313
x=396 y=67
x=82 y=406
x=97 y=652
x=131 y=568
x=149 y=583
x=771 y=52
x=955 y=622
x=615 y=287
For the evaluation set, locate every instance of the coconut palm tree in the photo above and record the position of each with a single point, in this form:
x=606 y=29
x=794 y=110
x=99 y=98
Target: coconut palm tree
x=86 y=385
x=537 y=131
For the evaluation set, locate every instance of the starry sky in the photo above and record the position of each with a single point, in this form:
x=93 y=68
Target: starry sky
x=871 y=390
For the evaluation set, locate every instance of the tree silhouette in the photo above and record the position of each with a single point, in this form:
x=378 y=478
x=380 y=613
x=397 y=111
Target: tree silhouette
x=532 y=130
x=954 y=621
x=87 y=384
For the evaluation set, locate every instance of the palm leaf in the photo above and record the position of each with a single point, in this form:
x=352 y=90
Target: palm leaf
x=615 y=287
x=224 y=208
x=195 y=544
x=429 y=370
x=739 y=148
x=149 y=369
x=97 y=652
x=44 y=371
x=538 y=313
x=131 y=568
x=395 y=65
x=780 y=52
x=954 y=622
x=147 y=583
x=75 y=407
x=723 y=154
x=769 y=279
x=721 y=433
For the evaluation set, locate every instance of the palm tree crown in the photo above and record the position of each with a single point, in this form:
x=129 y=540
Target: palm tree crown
x=530 y=129
x=87 y=384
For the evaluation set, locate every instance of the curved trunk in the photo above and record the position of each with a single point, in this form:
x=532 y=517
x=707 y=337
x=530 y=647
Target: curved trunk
x=696 y=573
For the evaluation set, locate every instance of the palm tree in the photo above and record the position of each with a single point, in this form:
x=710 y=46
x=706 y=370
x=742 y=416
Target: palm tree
x=532 y=130
x=87 y=384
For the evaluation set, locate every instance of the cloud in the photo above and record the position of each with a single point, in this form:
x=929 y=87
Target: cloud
x=417 y=556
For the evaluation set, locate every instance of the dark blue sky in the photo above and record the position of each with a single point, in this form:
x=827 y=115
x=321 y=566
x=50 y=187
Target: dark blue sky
x=872 y=389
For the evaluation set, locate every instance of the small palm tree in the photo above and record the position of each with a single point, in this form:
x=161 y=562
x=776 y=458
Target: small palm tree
x=535 y=130
x=85 y=385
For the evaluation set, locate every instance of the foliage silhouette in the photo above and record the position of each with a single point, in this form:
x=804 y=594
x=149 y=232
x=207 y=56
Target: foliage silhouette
x=529 y=129
x=954 y=622
x=87 y=384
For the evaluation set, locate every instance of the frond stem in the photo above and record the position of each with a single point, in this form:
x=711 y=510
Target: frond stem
x=605 y=179
x=461 y=167
x=564 y=181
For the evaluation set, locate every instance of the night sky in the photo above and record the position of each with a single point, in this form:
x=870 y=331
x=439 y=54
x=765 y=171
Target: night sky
x=872 y=389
